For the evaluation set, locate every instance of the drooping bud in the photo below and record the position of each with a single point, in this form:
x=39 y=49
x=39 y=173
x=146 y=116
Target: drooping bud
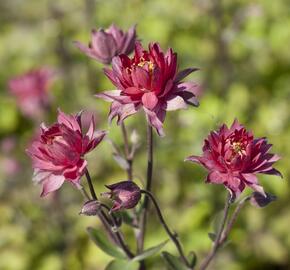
x=91 y=208
x=259 y=200
x=125 y=195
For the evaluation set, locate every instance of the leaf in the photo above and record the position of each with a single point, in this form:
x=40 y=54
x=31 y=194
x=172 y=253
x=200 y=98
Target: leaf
x=122 y=265
x=150 y=251
x=123 y=163
x=104 y=244
x=216 y=222
x=192 y=258
x=212 y=236
x=173 y=262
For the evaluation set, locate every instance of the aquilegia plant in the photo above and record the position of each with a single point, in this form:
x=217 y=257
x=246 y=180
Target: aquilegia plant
x=148 y=81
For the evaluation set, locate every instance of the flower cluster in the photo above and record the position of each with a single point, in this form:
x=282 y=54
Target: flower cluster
x=233 y=157
x=58 y=153
x=149 y=81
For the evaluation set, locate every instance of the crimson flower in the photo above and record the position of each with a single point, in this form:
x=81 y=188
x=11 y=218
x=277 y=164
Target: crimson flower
x=58 y=154
x=30 y=90
x=233 y=157
x=150 y=81
x=106 y=44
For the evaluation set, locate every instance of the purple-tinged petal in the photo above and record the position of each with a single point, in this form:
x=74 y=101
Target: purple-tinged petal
x=175 y=103
x=184 y=73
x=155 y=120
x=129 y=41
x=104 y=44
x=89 y=52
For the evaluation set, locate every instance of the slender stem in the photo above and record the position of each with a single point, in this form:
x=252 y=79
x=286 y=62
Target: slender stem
x=91 y=186
x=233 y=219
x=117 y=233
x=217 y=243
x=127 y=152
x=107 y=222
x=173 y=236
x=143 y=218
x=84 y=193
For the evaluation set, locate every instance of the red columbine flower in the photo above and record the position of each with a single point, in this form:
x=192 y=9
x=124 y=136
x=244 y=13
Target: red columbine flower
x=150 y=81
x=58 y=154
x=106 y=44
x=233 y=157
x=30 y=91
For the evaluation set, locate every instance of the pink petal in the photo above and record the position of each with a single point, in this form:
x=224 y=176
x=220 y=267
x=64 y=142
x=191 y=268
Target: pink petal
x=68 y=120
x=149 y=100
x=132 y=91
x=175 y=103
x=89 y=52
x=52 y=183
x=156 y=120
x=104 y=44
x=215 y=177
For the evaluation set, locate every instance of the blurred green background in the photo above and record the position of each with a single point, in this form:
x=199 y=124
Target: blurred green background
x=242 y=48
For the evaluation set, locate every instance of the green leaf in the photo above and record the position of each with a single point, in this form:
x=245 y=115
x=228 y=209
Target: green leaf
x=192 y=259
x=216 y=222
x=122 y=265
x=150 y=251
x=104 y=244
x=212 y=236
x=173 y=262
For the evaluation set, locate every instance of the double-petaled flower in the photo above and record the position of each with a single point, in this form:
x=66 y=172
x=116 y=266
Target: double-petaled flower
x=30 y=91
x=58 y=153
x=233 y=157
x=105 y=44
x=150 y=81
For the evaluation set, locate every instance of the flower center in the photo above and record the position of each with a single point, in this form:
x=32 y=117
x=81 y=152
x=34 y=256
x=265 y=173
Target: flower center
x=238 y=148
x=146 y=64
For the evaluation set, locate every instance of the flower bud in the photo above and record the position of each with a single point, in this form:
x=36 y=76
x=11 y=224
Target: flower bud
x=91 y=208
x=125 y=195
x=261 y=200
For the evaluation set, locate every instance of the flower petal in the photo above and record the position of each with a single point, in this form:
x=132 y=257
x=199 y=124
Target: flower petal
x=52 y=183
x=184 y=73
x=149 y=100
x=175 y=103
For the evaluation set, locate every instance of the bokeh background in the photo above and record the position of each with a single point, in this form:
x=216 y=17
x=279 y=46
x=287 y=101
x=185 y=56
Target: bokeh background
x=242 y=48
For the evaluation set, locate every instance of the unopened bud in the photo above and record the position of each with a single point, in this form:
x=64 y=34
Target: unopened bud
x=125 y=195
x=91 y=208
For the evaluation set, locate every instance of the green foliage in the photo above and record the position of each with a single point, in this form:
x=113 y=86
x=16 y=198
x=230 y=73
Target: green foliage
x=122 y=264
x=173 y=262
x=99 y=238
x=149 y=252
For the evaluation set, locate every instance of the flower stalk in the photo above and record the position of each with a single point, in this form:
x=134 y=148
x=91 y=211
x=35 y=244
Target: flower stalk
x=172 y=235
x=128 y=156
x=109 y=222
x=143 y=219
x=218 y=243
